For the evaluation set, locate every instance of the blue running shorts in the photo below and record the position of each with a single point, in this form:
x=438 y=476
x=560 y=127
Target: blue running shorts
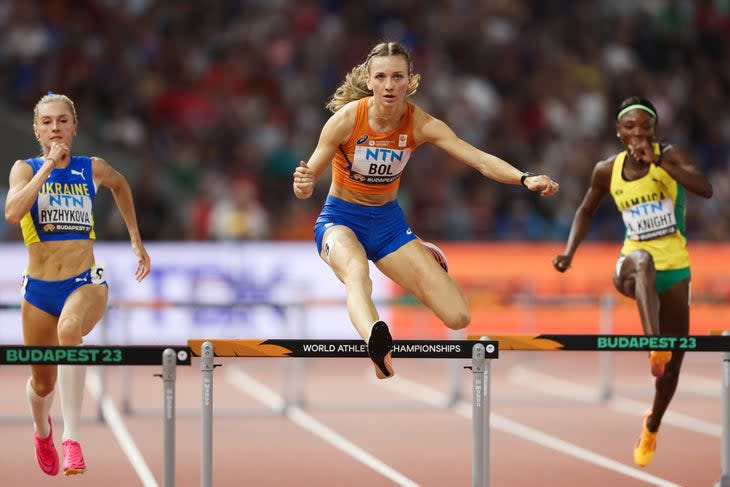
x=50 y=296
x=380 y=229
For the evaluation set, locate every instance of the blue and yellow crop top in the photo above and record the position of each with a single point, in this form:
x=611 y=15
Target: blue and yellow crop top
x=63 y=209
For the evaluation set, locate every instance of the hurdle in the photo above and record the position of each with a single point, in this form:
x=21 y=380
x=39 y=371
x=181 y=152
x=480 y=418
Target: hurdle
x=717 y=341
x=125 y=307
x=168 y=357
x=480 y=352
x=296 y=312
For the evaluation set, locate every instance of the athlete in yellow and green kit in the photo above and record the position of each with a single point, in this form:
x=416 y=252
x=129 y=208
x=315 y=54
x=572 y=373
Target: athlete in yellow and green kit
x=648 y=182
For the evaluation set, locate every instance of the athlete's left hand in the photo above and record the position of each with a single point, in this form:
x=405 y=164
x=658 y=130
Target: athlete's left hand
x=543 y=184
x=143 y=262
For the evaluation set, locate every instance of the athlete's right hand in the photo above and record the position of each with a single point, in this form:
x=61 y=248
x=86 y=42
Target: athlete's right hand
x=303 y=181
x=642 y=151
x=562 y=262
x=58 y=152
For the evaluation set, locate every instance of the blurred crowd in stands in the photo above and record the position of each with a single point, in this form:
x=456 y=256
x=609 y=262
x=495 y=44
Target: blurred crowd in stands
x=219 y=100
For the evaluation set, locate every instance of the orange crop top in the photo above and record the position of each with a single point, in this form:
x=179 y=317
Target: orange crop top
x=371 y=162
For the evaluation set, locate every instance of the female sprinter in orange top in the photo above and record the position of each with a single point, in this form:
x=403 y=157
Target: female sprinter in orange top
x=368 y=141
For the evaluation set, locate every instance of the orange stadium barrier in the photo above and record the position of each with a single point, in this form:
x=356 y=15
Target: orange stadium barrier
x=500 y=279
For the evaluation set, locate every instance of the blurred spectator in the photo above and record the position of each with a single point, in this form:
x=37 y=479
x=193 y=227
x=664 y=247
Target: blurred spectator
x=213 y=90
x=123 y=128
x=238 y=214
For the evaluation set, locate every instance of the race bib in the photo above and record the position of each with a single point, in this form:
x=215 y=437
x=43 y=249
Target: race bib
x=378 y=165
x=647 y=221
x=59 y=213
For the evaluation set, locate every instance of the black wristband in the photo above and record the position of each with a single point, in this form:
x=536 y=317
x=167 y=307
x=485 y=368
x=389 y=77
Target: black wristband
x=525 y=175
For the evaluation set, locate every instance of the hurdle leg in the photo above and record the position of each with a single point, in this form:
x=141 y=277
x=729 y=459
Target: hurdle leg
x=126 y=372
x=725 y=477
x=480 y=417
x=102 y=371
x=169 y=361
x=206 y=452
x=607 y=303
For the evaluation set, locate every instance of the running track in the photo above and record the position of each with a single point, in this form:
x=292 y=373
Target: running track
x=546 y=427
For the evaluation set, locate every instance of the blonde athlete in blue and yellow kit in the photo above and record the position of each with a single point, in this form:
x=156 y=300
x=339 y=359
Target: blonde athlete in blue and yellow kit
x=647 y=182
x=368 y=141
x=64 y=293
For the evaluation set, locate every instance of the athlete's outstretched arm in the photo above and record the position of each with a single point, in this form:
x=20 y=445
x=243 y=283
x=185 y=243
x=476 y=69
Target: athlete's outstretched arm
x=435 y=131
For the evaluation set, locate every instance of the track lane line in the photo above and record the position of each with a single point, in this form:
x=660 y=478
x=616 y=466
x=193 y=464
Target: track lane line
x=247 y=384
x=114 y=420
x=701 y=385
x=426 y=394
x=555 y=386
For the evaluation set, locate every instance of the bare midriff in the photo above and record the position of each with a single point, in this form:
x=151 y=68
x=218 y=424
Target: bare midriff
x=61 y=259
x=362 y=198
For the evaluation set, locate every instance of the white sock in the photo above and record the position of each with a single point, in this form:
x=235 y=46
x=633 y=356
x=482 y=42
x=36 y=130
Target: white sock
x=39 y=408
x=71 y=381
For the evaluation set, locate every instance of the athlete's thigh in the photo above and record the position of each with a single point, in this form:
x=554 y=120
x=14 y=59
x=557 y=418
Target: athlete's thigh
x=39 y=327
x=674 y=309
x=88 y=303
x=415 y=270
x=340 y=249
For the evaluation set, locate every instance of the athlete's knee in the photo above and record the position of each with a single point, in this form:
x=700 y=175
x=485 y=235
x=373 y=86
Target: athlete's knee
x=459 y=320
x=42 y=386
x=70 y=329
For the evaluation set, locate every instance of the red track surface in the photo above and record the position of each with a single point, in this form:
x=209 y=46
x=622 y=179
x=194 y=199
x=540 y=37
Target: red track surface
x=541 y=434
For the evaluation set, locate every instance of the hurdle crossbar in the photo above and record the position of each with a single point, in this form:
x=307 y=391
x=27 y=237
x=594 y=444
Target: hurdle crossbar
x=90 y=355
x=167 y=356
x=614 y=343
x=479 y=351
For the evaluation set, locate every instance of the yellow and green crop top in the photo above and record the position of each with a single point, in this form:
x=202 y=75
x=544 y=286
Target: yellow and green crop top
x=653 y=211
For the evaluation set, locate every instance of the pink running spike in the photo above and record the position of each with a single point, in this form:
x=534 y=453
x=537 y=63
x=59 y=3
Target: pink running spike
x=73 y=459
x=45 y=452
